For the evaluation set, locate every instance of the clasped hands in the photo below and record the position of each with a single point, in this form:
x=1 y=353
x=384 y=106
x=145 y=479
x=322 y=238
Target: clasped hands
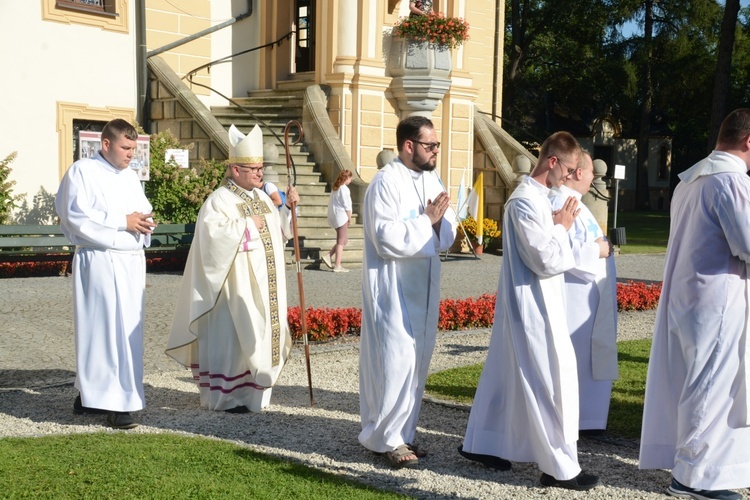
x=436 y=209
x=140 y=223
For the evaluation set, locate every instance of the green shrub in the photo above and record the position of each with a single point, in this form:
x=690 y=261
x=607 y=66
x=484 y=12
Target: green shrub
x=178 y=193
x=8 y=201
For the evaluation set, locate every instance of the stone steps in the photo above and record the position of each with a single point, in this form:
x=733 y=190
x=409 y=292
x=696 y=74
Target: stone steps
x=275 y=108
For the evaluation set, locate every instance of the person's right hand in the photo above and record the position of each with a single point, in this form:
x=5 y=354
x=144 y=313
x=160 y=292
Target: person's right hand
x=567 y=214
x=260 y=222
x=436 y=209
x=139 y=223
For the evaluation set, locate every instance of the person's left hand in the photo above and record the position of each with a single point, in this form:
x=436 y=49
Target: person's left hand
x=140 y=223
x=291 y=196
x=436 y=209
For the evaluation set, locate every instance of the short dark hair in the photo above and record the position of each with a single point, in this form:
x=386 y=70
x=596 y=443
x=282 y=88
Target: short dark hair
x=117 y=127
x=560 y=144
x=410 y=128
x=734 y=128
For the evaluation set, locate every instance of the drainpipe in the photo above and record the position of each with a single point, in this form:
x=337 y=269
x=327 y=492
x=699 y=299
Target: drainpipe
x=141 y=66
x=142 y=56
x=496 y=59
x=205 y=32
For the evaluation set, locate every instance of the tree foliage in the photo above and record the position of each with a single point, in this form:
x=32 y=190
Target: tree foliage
x=570 y=61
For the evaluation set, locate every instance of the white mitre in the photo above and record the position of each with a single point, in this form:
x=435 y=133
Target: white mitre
x=245 y=149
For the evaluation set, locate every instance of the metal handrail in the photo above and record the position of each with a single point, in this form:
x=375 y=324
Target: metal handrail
x=189 y=77
x=224 y=59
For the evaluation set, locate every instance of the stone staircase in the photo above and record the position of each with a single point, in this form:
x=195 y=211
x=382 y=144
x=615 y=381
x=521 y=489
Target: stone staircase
x=276 y=108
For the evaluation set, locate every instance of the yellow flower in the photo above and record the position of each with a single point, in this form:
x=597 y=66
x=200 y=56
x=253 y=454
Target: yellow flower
x=489 y=230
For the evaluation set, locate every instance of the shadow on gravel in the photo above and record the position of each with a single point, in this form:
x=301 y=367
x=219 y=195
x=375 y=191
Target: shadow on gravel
x=14 y=379
x=458 y=349
x=326 y=437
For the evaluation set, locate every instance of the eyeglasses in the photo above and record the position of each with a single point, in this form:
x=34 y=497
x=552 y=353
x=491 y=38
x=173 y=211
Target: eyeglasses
x=429 y=146
x=253 y=170
x=571 y=171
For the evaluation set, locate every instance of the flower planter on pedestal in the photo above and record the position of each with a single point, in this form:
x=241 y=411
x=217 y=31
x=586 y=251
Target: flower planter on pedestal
x=478 y=248
x=421 y=72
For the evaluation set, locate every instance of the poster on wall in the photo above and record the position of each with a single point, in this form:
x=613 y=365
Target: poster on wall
x=142 y=158
x=180 y=156
x=89 y=143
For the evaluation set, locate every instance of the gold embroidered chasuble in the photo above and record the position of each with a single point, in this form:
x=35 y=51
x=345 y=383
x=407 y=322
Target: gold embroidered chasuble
x=251 y=206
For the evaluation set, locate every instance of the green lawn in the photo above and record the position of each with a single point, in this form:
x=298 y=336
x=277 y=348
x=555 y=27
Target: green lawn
x=626 y=408
x=124 y=465
x=645 y=232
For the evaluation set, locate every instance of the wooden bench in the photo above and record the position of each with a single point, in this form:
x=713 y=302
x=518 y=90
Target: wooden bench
x=24 y=243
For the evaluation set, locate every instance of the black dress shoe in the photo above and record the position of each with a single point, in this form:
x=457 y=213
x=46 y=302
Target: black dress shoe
x=238 y=409
x=120 y=420
x=79 y=409
x=489 y=461
x=581 y=482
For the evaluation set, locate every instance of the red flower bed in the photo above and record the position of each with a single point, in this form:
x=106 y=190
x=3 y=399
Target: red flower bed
x=637 y=296
x=328 y=323
x=32 y=269
x=166 y=264
x=38 y=269
x=466 y=313
x=325 y=323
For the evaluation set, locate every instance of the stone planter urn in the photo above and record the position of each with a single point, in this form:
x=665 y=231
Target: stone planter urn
x=421 y=75
x=416 y=58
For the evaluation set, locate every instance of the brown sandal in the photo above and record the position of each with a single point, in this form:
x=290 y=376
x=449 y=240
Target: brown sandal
x=418 y=452
x=400 y=457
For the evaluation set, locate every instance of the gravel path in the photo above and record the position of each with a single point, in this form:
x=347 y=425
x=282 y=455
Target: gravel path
x=36 y=393
x=325 y=436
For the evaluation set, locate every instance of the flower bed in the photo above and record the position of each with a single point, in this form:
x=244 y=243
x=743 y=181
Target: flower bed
x=637 y=296
x=38 y=269
x=331 y=323
x=32 y=269
x=455 y=314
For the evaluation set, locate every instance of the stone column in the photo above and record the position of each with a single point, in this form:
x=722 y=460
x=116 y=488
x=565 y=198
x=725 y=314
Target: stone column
x=594 y=198
x=346 y=36
x=270 y=158
x=522 y=168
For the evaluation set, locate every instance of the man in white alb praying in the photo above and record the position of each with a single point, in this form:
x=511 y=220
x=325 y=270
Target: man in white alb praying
x=526 y=405
x=408 y=221
x=230 y=326
x=591 y=303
